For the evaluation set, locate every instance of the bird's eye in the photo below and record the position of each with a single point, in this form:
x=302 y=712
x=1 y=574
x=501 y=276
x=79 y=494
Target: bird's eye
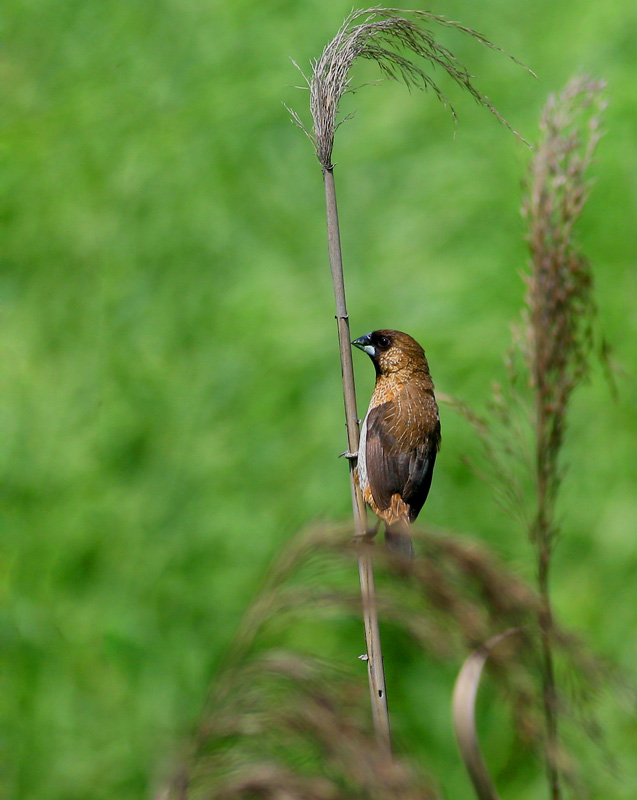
x=383 y=342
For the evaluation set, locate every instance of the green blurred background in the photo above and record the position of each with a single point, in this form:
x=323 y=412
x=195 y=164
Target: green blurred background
x=171 y=405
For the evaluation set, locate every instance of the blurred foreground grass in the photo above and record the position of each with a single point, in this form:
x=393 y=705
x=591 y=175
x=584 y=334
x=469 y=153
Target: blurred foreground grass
x=171 y=408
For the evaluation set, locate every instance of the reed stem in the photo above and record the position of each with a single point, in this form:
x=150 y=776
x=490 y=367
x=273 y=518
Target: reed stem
x=375 y=667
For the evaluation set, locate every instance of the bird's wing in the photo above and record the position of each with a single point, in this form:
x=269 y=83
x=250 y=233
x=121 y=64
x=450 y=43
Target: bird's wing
x=400 y=456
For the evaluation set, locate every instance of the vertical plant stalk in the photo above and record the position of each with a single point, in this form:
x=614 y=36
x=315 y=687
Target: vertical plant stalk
x=549 y=687
x=375 y=668
x=559 y=341
x=555 y=341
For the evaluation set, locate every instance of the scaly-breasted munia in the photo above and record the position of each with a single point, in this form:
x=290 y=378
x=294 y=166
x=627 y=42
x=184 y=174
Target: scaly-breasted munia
x=400 y=435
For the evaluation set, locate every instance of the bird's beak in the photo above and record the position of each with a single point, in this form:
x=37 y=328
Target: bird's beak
x=365 y=343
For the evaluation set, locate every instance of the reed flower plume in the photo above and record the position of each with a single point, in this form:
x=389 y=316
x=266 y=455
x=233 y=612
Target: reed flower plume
x=559 y=329
x=392 y=38
x=289 y=722
x=560 y=303
x=552 y=348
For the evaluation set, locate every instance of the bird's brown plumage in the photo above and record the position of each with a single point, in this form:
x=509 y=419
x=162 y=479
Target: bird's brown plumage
x=400 y=436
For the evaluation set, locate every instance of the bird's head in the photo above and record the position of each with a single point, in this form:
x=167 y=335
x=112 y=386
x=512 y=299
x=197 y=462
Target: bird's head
x=393 y=352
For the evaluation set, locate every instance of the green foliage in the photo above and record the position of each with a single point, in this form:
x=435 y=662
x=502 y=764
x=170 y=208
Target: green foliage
x=171 y=406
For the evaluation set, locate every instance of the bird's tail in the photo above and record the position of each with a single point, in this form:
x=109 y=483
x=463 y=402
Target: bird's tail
x=398 y=539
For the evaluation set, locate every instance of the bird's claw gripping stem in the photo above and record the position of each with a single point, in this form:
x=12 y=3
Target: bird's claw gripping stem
x=368 y=535
x=349 y=455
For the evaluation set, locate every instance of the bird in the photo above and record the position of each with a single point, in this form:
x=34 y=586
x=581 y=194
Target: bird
x=400 y=435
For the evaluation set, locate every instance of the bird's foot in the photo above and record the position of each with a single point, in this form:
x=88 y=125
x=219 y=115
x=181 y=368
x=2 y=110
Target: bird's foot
x=348 y=455
x=368 y=535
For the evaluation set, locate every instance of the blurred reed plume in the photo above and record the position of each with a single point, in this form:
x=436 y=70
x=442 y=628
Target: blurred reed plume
x=558 y=333
x=559 y=340
x=525 y=432
x=286 y=722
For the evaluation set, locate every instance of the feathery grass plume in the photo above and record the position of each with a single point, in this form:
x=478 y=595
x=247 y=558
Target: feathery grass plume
x=289 y=723
x=295 y=728
x=560 y=305
x=381 y=36
x=561 y=312
x=524 y=436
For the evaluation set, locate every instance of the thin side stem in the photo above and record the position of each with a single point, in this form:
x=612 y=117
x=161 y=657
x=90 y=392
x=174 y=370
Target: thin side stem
x=375 y=668
x=543 y=538
x=549 y=691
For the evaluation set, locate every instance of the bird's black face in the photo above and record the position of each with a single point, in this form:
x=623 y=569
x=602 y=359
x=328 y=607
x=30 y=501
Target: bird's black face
x=392 y=351
x=374 y=343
